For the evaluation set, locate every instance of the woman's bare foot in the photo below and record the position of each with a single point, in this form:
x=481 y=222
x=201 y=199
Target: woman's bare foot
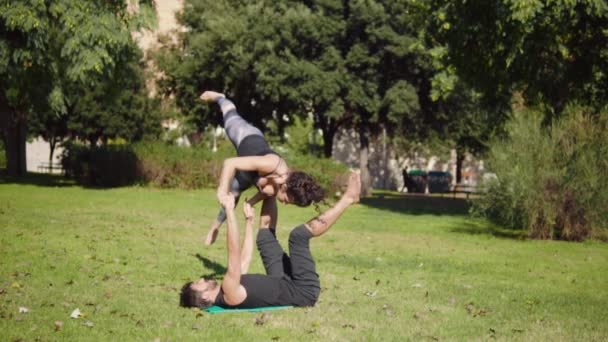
x=211 y=96
x=353 y=188
x=212 y=234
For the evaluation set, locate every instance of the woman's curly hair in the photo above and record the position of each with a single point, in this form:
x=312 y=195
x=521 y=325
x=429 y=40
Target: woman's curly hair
x=303 y=189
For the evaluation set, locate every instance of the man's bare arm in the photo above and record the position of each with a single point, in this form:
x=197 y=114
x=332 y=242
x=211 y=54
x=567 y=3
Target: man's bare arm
x=321 y=223
x=234 y=293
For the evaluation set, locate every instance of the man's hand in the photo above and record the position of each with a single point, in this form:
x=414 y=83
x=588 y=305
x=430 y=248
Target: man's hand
x=210 y=96
x=248 y=211
x=226 y=200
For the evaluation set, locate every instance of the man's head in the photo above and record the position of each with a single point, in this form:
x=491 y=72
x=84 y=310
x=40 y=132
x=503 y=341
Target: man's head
x=200 y=293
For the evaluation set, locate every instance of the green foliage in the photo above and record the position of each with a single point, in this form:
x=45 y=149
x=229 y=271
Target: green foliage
x=49 y=49
x=344 y=62
x=328 y=172
x=170 y=166
x=116 y=105
x=105 y=166
x=551 y=180
x=552 y=51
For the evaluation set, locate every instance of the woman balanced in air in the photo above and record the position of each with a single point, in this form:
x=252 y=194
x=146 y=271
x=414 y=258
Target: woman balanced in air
x=256 y=164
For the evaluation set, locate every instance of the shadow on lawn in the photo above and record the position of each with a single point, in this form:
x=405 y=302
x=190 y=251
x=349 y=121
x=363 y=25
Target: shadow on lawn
x=38 y=179
x=418 y=204
x=217 y=270
x=482 y=227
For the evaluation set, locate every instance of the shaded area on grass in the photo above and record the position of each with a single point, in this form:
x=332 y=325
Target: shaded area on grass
x=477 y=227
x=418 y=204
x=217 y=270
x=37 y=179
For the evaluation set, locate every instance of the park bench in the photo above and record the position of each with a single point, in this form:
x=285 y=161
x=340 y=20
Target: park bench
x=49 y=167
x=464 y=189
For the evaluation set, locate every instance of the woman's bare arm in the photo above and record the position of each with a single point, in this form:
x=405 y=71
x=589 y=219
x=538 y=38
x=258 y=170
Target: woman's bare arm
x=260 y=164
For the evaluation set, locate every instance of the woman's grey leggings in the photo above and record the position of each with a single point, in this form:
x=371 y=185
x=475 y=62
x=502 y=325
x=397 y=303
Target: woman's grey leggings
x=237 y=129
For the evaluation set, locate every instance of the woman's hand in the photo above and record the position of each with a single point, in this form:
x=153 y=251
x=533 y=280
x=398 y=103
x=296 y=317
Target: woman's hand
x=226 y=200
x=248 y=211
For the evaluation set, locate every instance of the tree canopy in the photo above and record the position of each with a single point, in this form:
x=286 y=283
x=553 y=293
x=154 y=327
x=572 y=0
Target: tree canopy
x=552 y=52
x=47 y=45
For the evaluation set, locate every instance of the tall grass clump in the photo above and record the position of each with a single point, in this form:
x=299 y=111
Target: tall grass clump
x=552 y=180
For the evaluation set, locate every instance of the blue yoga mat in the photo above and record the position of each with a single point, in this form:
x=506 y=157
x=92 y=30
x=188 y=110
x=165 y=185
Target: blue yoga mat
x=218 y=309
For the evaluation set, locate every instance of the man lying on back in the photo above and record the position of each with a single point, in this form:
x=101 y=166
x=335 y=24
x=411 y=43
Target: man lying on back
x=289 y=280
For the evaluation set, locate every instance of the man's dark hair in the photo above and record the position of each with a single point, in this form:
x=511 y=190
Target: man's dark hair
x=190 y=298
x=303 y=190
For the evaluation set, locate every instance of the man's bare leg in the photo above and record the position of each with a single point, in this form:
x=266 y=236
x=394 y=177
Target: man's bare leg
x=320 y=224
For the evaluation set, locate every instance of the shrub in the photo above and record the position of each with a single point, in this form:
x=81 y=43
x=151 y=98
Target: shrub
x=171 y=166
x=550 y=180
x=106 y=166
x=328 y=172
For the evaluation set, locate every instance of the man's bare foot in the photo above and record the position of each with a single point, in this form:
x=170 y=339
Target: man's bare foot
x=353 y=188
x=211 y=236
x=211 y=96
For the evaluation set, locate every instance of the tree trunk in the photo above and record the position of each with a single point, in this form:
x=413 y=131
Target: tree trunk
x=14 y=129
x=52 y=144
x=366 y=189
x=459 y=159
x=328 y=139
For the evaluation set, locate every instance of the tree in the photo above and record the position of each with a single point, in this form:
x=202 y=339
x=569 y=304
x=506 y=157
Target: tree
x=351 y=64
x=114 y=106
x=43 y=41
x=553 y=52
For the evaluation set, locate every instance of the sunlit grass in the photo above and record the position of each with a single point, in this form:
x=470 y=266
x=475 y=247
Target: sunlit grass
x=393 y=268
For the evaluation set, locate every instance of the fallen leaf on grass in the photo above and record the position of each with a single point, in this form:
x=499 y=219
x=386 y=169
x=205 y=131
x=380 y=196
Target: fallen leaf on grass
x=263 y=318
x=388 y=310
x=347 y=325
x=15 y=285
x=418 y=315
x=88 y=324
x=58 y=325
x=76 y=314
x=23 y=309
x=475 y=311
x=371 y=294
x=417 y=286
x=195 y=327
x=2 y=291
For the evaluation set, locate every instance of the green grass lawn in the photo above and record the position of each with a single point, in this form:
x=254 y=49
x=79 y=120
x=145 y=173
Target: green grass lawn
x=393 y=268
